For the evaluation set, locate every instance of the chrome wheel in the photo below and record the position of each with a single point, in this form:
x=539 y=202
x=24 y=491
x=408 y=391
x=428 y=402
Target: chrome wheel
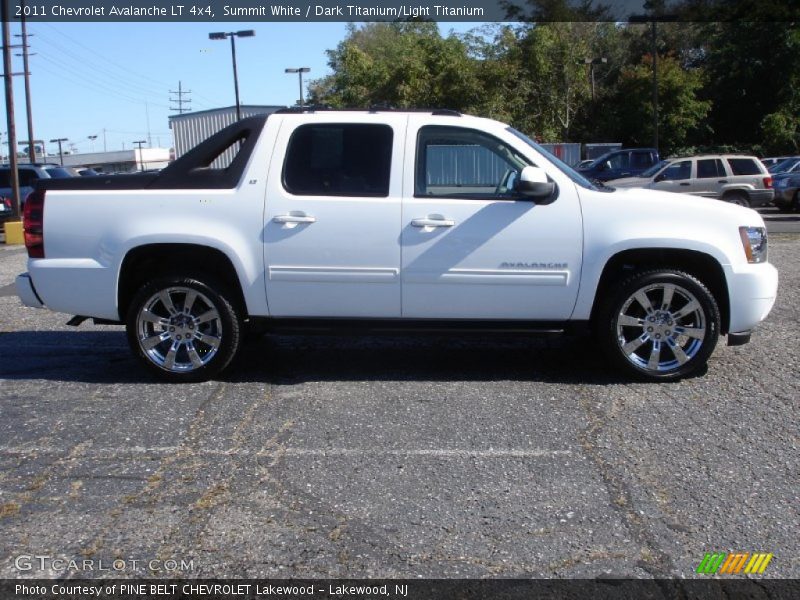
x=661 y=327
x=658 y=325
x=179 y=329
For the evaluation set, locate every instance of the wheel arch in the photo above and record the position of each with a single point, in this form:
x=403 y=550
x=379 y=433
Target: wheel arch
x=699 y=264
x=145 y=262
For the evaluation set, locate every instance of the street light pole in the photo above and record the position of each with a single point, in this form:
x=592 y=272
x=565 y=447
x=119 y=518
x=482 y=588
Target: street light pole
x=299 y=71
x=60 y=151
x=653 y=19
x=141 y=158
x=92 y=138
x=221 y=35
x=592 y=62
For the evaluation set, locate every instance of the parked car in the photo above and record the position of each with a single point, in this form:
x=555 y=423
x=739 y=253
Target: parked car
x=787 y=191
x=620 y=163
x=29 y=174
x=6 y=210
x=741 y=180
x=88 y=172
x=383 y=221
x=788 y=165
x=57 y=172
x=772 y=160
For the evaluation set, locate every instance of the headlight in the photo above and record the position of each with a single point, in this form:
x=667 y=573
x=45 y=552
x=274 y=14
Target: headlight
x=754 y=242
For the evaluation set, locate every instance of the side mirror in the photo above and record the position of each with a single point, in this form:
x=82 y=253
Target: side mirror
x=533 y=184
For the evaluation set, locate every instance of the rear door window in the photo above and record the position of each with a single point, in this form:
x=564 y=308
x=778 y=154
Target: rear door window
x=744 y=166
x=641 y=160
x=710 y=167
x=332 y=159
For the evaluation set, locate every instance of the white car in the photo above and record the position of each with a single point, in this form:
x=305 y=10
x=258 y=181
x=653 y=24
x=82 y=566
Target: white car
x=738 y=179
x=386 y=221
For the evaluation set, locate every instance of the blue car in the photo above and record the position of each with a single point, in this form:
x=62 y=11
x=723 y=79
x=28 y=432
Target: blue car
x=628 y=162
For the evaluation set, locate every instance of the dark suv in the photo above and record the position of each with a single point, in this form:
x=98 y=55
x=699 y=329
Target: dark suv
x=29 y=174
x=621 y=163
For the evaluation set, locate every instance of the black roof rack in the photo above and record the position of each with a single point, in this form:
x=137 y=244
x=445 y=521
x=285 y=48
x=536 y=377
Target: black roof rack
x=374 y=108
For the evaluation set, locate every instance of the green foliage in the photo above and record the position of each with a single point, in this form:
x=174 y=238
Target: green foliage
x=720 y=84
x=404 y=65
x=680 y=109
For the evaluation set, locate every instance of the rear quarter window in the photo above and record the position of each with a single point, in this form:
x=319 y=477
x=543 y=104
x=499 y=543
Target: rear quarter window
x=744 y=166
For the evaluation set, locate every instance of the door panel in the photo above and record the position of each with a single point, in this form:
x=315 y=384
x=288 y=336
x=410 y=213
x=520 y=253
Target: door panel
x=331 y=244
x=484 y=255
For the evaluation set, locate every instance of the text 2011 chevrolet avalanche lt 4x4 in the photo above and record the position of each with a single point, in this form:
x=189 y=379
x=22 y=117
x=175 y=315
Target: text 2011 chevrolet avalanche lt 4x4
x=391 y=220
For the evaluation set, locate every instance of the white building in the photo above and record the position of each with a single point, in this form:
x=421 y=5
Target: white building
x=191 y=128
x=118 y=161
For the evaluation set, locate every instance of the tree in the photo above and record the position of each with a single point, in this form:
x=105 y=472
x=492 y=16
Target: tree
x=681 y=111
x=405 y=65
x=754 y=74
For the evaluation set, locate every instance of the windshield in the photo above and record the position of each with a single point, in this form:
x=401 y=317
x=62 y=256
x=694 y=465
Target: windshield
x=562 y=166
x=654 y=169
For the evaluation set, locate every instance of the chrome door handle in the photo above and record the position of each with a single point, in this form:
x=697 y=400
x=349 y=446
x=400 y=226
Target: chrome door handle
x=294 y=219
x=428 y=222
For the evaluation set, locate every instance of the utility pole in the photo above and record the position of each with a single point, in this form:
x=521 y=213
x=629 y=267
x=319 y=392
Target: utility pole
x=147 y=117
x=141 y=158
x=179 y=100
x=60 y=151
x=9 y=89
x=26 y=71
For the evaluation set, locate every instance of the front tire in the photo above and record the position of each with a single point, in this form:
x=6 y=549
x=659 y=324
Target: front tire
x=659 y=325
x=183 y=329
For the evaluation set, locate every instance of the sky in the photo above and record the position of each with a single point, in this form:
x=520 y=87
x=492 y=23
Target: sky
x=113 y=80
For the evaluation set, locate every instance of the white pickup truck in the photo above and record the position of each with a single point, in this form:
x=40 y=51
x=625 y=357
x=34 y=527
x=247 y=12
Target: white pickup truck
x=314 y=220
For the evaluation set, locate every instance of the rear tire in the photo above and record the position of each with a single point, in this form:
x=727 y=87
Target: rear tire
x=184 y=329
x=659 y=325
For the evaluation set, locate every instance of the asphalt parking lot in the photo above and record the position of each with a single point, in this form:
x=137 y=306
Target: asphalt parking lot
x=399 y=457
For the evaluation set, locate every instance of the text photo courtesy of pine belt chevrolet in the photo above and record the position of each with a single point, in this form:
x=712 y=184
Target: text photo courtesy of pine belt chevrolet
x=382 y=221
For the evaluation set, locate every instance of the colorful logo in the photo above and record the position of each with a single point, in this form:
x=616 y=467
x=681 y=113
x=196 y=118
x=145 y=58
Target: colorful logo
x=733 y=564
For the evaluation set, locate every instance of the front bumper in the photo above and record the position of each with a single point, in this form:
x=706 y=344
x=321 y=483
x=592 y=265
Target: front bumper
x=752 y=290
x=27 y=292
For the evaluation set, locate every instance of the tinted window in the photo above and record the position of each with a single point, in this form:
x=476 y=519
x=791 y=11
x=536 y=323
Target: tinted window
x=27 y=177
x=618 y=161
x=339 y=160
x=58 y=172
x=641 y=160
x=464 y=163
x=744 y=166
x=710 y=167
x=678 y=170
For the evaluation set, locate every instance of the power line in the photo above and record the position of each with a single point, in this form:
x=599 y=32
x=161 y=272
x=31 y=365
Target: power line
x=209 y=102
